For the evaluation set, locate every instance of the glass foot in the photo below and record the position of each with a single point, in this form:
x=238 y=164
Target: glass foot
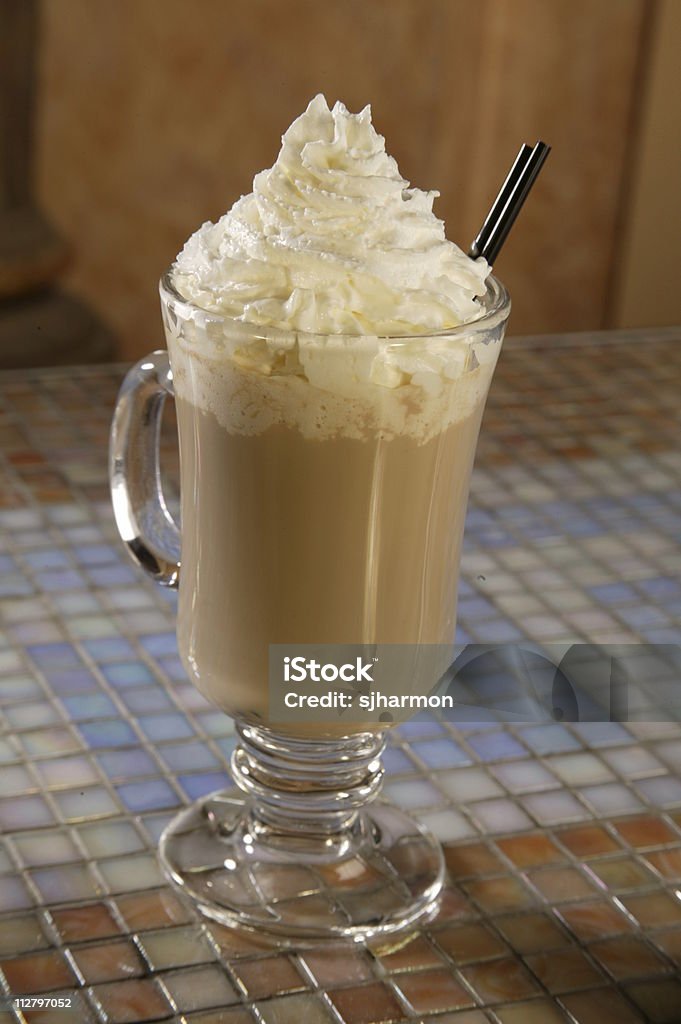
x=379 y=875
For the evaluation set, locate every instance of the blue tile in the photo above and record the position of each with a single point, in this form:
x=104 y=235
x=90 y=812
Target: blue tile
x=651 y=634
x=498 y=538
x=109 y=733
x=159 y=644
x=55 y=656
x=549 y=739
x=443 y=753
x=127 y=673
x=15 y=585
x=165 y=727
x=602 y=734
x=613 y=593
x=216 y=723
x=74 y=680
x=96 y=554
x=186 y=756
x=127 y=764
x=150 y=795
x=173 y=668
x=663 y=791
x=497 y=631
x=420 y=725
x=151 y=698
x=112 y=576
x=51 y=558
x=156 y=823
x=226 y=745
x=109 y=649
x=60 y=579
x=584 y=528
x=395 y=761
x=642 y=615
x=496 y=746
x=96 y=705
x=7 y=564
x=476 y=608
x=196 y=786
x=462 y=637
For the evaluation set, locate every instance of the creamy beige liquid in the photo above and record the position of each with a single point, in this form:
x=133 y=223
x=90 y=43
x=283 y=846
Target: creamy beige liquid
x=292 y=539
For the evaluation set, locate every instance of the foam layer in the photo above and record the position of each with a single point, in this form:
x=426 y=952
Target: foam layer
x=339 y=387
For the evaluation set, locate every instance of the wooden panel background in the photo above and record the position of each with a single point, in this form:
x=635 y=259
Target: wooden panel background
x=155 y=114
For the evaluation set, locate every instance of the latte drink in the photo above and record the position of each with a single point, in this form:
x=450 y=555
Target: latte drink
x=331 y=354
x=317 y=519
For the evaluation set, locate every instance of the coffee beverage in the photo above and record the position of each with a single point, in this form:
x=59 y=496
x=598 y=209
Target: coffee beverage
x=311 y=518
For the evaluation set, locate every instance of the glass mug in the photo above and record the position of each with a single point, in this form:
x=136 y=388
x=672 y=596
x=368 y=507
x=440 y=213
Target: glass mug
x=324 y=483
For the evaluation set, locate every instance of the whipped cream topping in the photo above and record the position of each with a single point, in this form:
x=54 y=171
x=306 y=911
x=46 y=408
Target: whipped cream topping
x=332 y=240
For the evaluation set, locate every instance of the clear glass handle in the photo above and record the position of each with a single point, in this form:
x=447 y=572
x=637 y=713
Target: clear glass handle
x=144 y=522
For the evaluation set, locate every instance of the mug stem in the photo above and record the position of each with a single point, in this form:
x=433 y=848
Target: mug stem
x=307 y=787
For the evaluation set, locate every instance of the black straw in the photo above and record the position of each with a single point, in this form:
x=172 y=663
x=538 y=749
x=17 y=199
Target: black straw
x=509 y=201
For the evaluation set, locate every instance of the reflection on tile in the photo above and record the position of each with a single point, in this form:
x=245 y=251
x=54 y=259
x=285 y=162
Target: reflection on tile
x=88 y=921
x=175 y=947
x=21 y=935
x=199 y=988
x=108 y=961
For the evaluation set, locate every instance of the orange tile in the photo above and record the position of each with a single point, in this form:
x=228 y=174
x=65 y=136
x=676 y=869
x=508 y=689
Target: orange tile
x=659 y=1000
x=587 y=840
x=670 y=943
x=108 y=961
x=645 y=831
x=154 y=909
x=530 y=850
x=268 y=977
x=621 y=873
x=496 y=895
x=430 y=991
x=500 y=980
x=470 y=943
x=564 y=970
x=454 y=906
x=557 y=885
x=473 y=859
x=654 y=910
x=415 y=955
x=626 y=957
x=536 y=1011
x=37 y=972
x=600 y=1006
x=532 y=933
x=131 y=1002
x=234 y=944
x=90 y=921
x=595 y=920
x=667 y=862
x=367 y=1004
x=328 y=968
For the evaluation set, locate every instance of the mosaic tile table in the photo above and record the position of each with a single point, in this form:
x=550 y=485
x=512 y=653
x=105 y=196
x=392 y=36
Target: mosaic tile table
x=563 y=841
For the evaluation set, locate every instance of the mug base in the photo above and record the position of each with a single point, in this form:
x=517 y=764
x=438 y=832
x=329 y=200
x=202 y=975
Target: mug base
x=380 y=876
